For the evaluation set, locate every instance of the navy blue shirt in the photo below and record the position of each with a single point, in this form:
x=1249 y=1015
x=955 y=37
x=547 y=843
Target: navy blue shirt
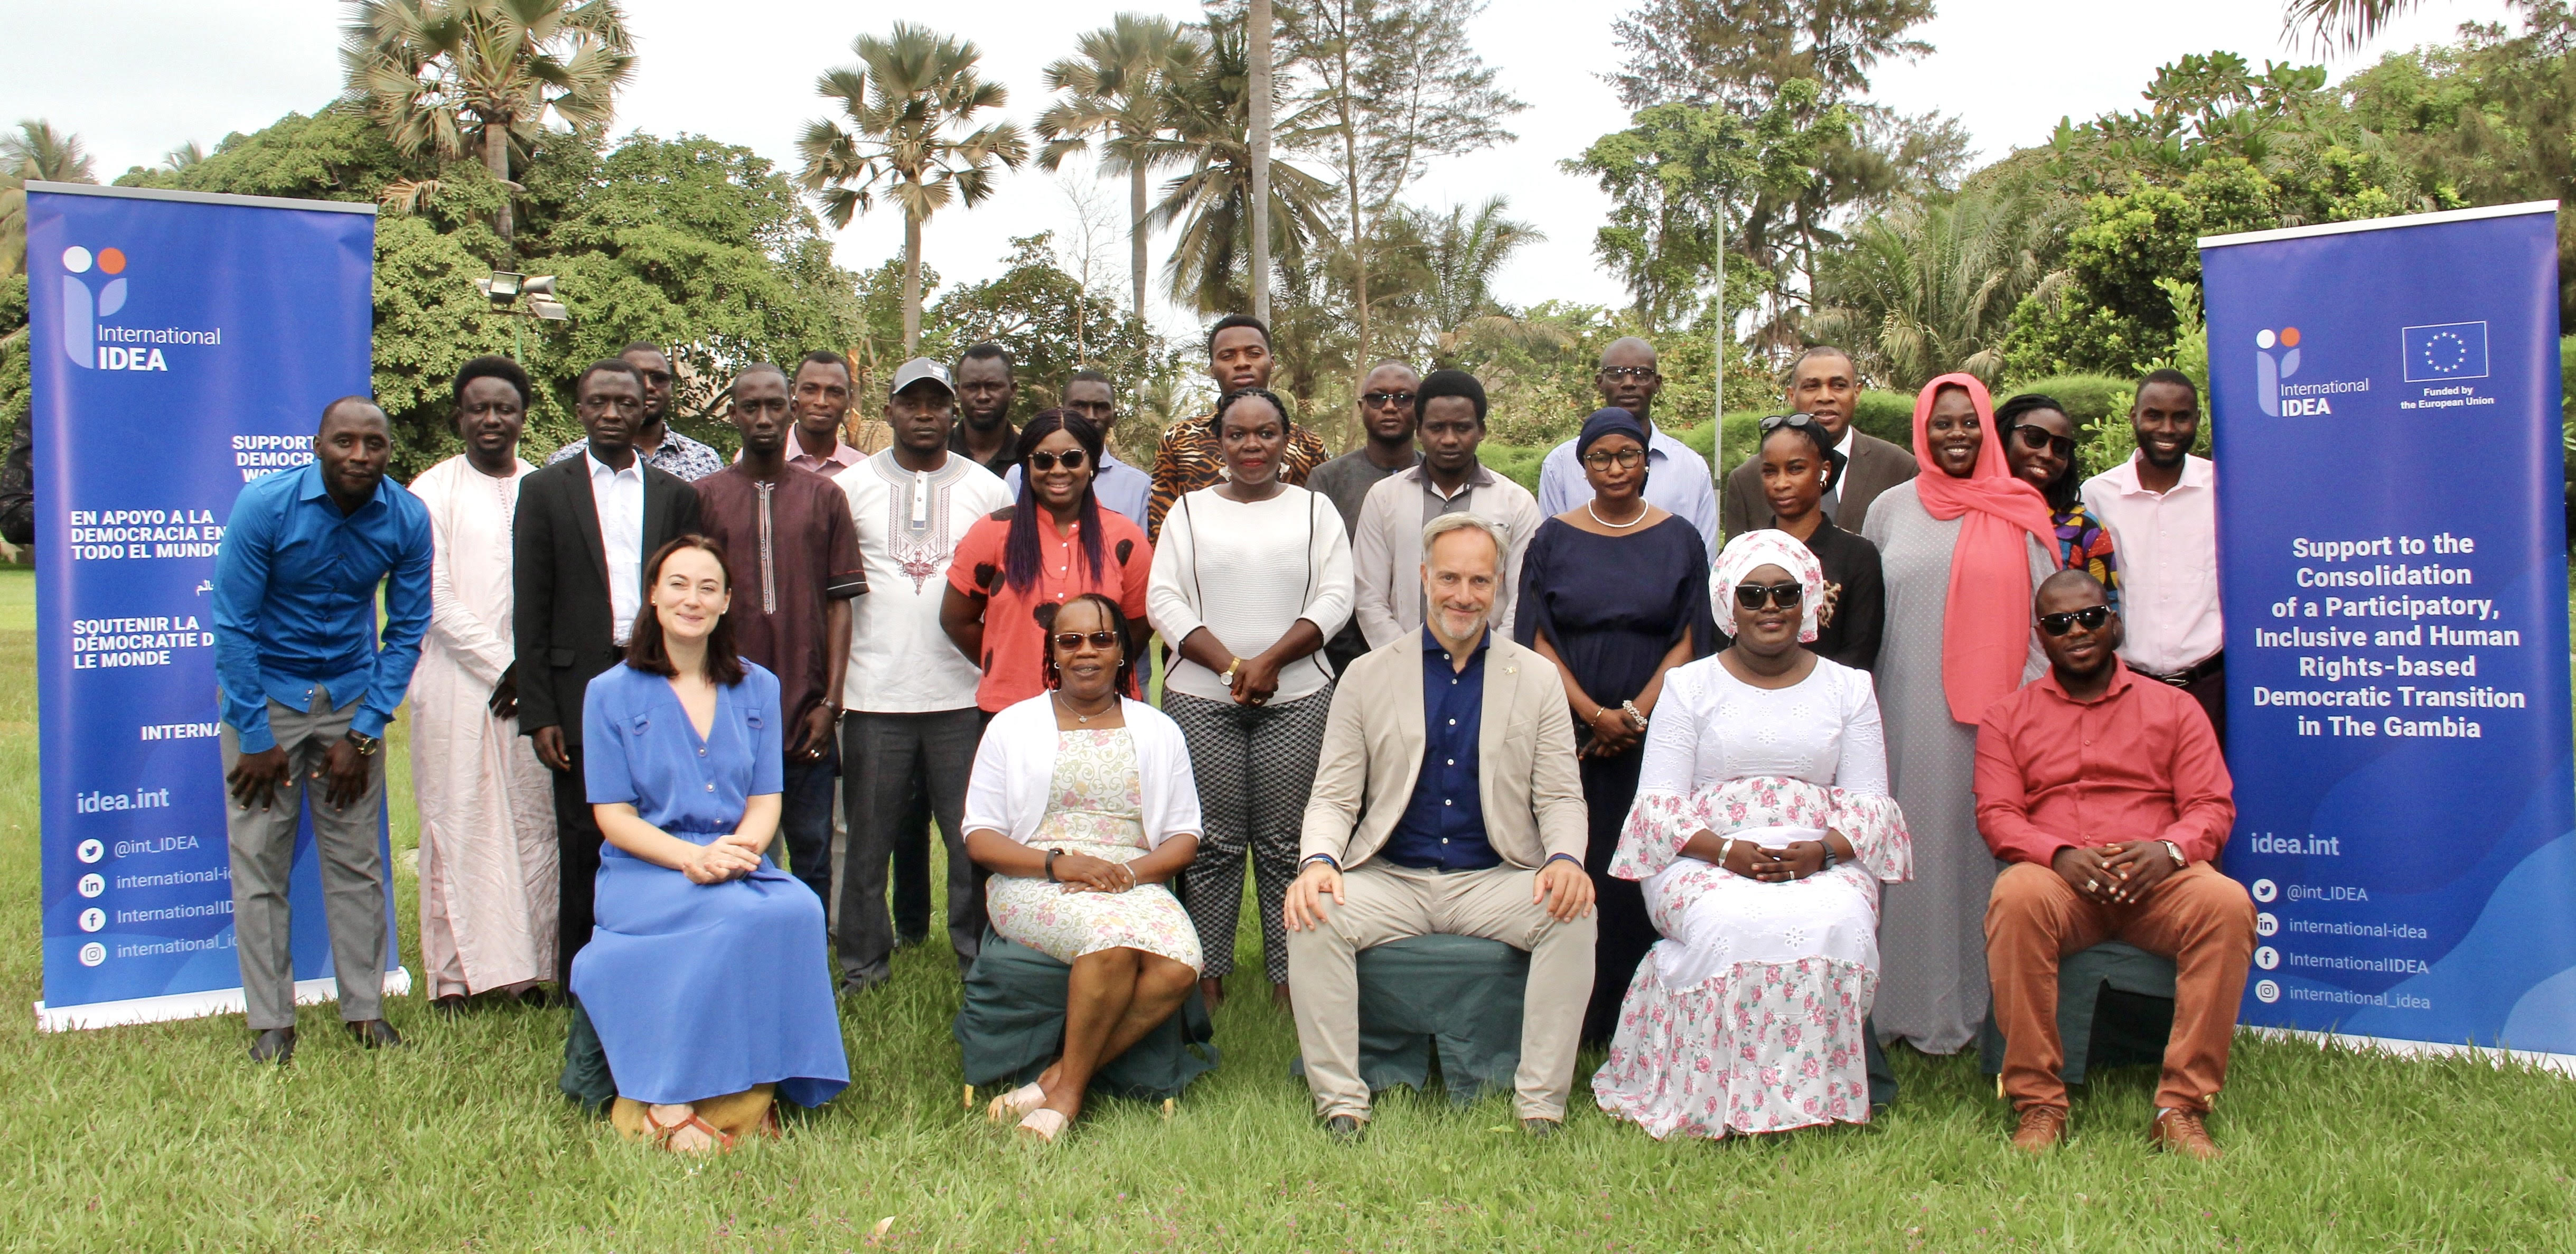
x=1443 y=827
x=295 y=602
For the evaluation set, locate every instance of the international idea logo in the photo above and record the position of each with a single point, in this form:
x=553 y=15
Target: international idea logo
x=2270 y=370
x=95 y=287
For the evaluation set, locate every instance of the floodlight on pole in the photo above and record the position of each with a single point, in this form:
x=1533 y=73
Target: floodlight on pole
x=504 y=288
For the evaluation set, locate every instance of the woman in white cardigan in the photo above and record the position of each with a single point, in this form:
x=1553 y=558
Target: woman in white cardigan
x=1083 y=807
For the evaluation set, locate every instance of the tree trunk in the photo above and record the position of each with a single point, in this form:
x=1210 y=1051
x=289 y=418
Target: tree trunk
x=911 y=285
x=1260 y=22
x=1359 y=223
x=496 y=159
x=1137 y=261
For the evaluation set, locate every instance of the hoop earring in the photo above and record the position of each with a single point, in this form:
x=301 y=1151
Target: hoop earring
x=1054 y=677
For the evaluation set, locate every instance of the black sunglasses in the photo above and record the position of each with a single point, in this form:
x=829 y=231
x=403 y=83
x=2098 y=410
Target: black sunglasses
x=1375 y=399
x=1071 y=459
x=1784 y=595
x=1071 y=640
x=2092 y=616
x=2035 y=439
x=1800 y=421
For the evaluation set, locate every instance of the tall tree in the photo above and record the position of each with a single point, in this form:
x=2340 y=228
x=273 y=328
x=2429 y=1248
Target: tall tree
x=1462 y=252
x=1116 y=86
x=1931 y=286
x=1212 y=199
x=1259 y=27
x=35 y=154
x=1397 y=83
x=911 y=104
x=1740 y=52
x=448 y=77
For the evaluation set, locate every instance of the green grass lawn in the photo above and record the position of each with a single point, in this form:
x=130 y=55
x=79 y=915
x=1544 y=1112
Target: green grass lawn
x=163 y=1138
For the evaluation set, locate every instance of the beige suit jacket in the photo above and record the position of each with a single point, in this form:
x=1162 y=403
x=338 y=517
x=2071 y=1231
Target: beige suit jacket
x=1526 y=777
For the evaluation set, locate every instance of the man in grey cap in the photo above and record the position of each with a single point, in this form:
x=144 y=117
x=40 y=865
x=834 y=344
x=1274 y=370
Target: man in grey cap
x=909 y=721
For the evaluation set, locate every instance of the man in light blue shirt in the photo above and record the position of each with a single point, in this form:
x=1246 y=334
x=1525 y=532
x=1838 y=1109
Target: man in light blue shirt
x=1676 y=477
x=308 y=687
x=1118 y=485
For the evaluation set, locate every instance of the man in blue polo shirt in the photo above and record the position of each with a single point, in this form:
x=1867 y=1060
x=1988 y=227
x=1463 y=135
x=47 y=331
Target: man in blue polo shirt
x=307 y=690
x=1476 y=828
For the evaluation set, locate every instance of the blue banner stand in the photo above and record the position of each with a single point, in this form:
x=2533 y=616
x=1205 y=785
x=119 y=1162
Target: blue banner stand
x=182 y=345
x=2397 y=636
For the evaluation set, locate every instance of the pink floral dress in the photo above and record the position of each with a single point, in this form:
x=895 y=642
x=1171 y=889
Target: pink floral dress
x=1747 y=1016
x=1095 y=806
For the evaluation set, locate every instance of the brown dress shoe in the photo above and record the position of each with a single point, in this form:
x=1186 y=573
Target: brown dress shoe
x=2182 y=1132
x=2042 y=1129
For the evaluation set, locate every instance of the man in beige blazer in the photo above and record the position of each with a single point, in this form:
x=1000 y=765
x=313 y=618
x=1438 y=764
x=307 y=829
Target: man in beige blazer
x=1456 y=741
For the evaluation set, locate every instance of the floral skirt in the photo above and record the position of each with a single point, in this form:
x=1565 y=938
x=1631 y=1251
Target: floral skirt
x=1760 y=1028
x=1065 y=926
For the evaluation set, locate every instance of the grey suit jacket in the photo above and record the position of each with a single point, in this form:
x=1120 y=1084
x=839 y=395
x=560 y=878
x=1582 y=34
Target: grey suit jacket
x=1532 y=792
x=1876 y=466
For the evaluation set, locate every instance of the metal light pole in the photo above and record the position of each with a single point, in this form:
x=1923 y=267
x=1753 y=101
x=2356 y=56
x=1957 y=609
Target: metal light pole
x=504 y=288
x=1259 y=20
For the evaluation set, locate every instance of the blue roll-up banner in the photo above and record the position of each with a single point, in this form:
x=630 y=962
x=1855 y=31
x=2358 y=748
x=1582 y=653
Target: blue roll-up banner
x=2393 y=566
x=183 y=345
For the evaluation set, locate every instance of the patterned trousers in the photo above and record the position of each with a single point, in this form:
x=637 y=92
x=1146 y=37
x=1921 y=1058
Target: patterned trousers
x=1254 y=766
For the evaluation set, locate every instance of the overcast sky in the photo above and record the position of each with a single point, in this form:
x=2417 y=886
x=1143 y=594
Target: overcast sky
x=135 y=78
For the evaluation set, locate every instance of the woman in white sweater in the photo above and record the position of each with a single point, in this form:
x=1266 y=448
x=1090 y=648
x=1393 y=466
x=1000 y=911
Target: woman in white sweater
x=1250 y=578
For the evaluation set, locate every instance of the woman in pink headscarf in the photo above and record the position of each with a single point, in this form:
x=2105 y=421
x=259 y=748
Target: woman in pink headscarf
x=1961 y=545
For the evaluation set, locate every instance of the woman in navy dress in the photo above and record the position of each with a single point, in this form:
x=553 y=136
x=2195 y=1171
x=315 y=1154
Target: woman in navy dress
x=705 y=974
x=1615 y=592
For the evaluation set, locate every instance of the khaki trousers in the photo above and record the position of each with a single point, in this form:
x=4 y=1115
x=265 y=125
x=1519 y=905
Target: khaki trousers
x=2197 y=917
x=262 y=848
x=1383 y=902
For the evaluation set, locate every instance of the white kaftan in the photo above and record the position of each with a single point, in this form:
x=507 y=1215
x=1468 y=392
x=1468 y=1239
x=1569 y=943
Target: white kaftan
x=487 y=823
x=1747 y=1016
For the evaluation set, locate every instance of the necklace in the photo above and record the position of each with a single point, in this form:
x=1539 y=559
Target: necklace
x=1596 y=516
x=1078 y=715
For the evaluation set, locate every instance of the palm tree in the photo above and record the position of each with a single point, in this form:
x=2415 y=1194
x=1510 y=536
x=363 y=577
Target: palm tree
x=183 y=156
x=449 y=77
x=904 y=102
x=1212 y=201
x=2347 y=24
x=1114 y=87
x=36 y=154
x=1931 y=287
x=1262 y=87
x=1461 y=255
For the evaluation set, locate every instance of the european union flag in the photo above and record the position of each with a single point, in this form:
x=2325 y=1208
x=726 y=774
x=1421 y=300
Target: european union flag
x=2446 y=351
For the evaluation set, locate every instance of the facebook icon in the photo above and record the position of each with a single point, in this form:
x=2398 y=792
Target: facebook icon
x=2446 y=351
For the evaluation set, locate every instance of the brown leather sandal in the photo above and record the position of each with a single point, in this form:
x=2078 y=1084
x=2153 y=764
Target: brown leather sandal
x=722 y=1142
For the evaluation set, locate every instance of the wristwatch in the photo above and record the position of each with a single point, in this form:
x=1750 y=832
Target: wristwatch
x=1230 y=668
x=365 y=744
x=2176 y=850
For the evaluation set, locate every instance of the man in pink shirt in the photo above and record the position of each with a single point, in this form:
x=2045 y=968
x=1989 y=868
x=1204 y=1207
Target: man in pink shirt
x=2161 y=508
x=2109 y=798
x=821 y=392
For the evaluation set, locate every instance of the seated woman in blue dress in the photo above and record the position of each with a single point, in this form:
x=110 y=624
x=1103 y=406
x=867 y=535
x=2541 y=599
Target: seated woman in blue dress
x=1083 y=806
x=705 y=974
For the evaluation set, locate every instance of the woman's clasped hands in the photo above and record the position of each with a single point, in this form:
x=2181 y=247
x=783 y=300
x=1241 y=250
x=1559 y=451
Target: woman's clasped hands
x=727 y=857
x=1082 y=873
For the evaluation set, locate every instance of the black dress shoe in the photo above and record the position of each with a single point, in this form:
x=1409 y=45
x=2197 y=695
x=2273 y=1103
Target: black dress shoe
x=275 y=1045
x=1542 y=1129
x=375 y=1034
x=450 y=1006
x=1346 y=1129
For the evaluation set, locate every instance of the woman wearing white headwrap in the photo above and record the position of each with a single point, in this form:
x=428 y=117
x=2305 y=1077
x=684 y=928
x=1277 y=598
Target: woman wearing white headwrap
x=1762 y=828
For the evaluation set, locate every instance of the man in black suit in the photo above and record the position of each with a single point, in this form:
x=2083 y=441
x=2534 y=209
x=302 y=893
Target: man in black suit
x=1824 y=383
x=585 y=527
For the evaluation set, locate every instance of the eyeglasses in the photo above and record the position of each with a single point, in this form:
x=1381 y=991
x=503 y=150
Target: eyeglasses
x=1784 y=595
x=1071 y=640
x=656 y=376
x=2091 y=616
x=2035 y=439
x=1376 y=400
x=1070 y=459
x=1626 y=458
x=1636 y=374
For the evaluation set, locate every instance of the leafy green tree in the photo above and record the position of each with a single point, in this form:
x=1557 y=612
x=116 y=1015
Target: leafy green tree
x=1117 y=87
x=906 y=103
x=1032 y=308
x=1742 y=52
x=36 y=153
x=455 y=77
x=1931 y=286
x=1210 y=201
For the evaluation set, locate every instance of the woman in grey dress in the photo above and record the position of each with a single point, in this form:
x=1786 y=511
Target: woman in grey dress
x=1961 y=546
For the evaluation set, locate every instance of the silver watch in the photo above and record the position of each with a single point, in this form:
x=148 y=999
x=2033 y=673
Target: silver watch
x=2176 y=850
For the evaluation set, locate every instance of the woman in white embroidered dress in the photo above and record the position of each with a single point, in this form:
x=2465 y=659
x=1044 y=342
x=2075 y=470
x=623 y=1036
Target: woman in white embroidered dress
x=1083 y=807
x=1762 y=829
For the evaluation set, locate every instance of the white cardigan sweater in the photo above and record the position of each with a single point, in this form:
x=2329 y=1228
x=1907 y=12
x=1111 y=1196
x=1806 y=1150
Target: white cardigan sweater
x=1015 y=766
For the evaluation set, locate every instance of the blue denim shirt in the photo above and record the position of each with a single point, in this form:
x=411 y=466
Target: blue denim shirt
x=1443 y=827
x=295 y=602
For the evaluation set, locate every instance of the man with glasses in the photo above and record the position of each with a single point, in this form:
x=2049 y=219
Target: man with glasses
x=2109 y=800
x=662 y=448
x=1116 y=485
x=579 y=542
x=1387 y=415
x=1676 y=477
x=1386 y=546
x=1824 y=385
